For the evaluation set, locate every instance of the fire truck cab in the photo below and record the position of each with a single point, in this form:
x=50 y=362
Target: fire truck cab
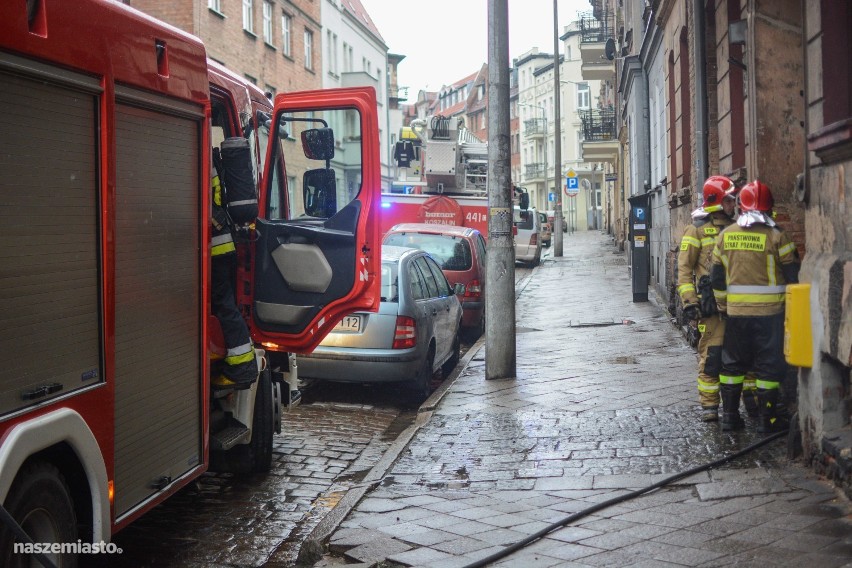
x=105 y=144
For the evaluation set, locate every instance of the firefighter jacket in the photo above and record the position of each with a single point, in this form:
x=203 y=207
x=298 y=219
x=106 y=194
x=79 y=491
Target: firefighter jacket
x=221 y=242
x=695 y=258
x=751 y=269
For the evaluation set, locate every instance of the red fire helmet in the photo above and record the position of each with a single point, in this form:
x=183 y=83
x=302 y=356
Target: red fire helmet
x=755 y=196
x=717 y=188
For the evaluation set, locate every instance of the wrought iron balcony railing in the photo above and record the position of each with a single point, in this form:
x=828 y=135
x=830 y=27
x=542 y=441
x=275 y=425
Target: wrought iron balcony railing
x=598 y=125
x=535 y=126
x=535 y=170
x=595 y=30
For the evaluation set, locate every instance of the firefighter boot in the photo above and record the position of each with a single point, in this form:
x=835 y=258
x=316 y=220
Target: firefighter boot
x=768 y=419
x=709 y=413
x=750 y=402
x=731 y=419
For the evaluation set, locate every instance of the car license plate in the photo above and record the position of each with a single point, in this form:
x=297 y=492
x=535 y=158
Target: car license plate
x=349 y=324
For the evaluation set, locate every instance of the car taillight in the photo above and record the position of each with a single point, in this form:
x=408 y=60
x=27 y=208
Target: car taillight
x=534 y=239
x=405 y=335
x=473 y=289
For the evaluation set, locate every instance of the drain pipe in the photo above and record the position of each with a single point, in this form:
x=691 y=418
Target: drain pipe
x=620 y=499
x=700 y=102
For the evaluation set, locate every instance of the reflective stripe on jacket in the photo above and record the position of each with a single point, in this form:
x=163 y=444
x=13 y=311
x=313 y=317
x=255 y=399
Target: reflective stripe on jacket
x=752 y=259
x=695 y=257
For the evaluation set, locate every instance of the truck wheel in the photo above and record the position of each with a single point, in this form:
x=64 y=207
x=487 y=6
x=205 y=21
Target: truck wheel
x=262 y=428
x=40 y=501
x=256 y=456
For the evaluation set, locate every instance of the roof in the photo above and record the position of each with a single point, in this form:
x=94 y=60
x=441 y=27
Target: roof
x=431 y=228
x=392 y=253
x=355 y=8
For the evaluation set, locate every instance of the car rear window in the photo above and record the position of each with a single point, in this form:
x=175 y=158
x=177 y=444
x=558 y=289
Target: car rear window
x=390 y=292
x=524 y=219
x=451 y=253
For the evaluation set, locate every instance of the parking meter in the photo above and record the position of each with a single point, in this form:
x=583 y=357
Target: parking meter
x=640 y=223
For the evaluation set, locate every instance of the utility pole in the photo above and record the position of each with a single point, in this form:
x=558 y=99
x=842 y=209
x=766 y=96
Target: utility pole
x=500 y=348
x=557 y=143
x=544 y=152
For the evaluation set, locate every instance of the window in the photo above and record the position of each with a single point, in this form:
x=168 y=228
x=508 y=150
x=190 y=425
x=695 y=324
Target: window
x=429 y=279
x=347 y=67
x=215 y=5
x=248 y=15
x=584 y=96
x=331 y=41
x=286 y=40
x=309 y=50
x=267 y=22
x=313 y=195
x=441 y=283
x=418 y=290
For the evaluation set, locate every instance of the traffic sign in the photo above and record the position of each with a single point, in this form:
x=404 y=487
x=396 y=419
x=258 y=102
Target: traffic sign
x=572 y=183
x=551 y=196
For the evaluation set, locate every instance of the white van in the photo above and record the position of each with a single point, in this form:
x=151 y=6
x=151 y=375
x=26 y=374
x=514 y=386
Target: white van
x=527 y=241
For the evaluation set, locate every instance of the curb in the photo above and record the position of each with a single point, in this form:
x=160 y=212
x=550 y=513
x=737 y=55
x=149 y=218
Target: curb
x=315 y=540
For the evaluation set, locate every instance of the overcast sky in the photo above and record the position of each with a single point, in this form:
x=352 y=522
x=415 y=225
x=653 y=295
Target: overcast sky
x=446 y=40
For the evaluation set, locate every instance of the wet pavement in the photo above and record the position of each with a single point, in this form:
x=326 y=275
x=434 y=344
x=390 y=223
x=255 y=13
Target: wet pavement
x=604 y=403
x=326 y=447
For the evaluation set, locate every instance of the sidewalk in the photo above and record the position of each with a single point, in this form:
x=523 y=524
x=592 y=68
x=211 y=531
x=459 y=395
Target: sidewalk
x=596 y=411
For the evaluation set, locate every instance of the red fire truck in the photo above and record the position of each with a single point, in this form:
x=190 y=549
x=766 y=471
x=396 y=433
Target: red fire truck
x=443 y=177
x=105 y=145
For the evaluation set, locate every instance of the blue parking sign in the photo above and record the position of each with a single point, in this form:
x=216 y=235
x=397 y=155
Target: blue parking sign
x=572 y=183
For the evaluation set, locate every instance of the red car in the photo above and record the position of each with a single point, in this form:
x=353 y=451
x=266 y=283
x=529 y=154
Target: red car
x=460 y=251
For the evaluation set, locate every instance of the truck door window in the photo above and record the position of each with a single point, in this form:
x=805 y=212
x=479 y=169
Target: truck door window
x=320 y=179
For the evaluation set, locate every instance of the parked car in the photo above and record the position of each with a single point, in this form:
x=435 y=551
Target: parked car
x=527 y=242
x=414 y=334
x=546 y=229
x=460 y=251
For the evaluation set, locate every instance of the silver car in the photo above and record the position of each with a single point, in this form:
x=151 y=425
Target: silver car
x=415 y=332
x=527 y=241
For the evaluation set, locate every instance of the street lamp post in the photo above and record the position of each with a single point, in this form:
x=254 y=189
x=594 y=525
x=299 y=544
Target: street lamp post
x=557 y=142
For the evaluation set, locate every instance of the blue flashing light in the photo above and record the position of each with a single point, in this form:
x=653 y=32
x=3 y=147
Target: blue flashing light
x=386 y=205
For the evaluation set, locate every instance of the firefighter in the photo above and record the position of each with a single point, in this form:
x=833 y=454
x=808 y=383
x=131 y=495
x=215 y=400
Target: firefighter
x=753 y=261
x=239 y=368
x=694 y=263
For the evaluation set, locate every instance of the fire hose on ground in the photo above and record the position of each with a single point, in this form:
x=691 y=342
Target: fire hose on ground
x=620 y=499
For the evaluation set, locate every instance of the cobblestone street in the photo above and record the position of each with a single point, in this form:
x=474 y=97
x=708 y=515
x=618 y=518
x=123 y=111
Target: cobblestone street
x=222 y=520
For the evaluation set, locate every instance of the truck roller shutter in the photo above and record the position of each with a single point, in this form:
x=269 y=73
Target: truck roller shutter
x=157 y=299
x=49 y=267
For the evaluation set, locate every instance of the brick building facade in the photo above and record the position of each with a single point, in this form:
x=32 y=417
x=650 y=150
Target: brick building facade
x=276 y=44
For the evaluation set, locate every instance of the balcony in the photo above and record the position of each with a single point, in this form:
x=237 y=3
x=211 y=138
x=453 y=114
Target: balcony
x=594 y=33
x=534 y=172
x=600 y=135
x=358 y=79
x=535 y=128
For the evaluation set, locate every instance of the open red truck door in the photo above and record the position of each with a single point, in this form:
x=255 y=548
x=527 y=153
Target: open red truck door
x=317 y=235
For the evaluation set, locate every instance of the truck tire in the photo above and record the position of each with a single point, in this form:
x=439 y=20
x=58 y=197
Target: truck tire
x=40 y=501
x=258 y=452
x=256 y=456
